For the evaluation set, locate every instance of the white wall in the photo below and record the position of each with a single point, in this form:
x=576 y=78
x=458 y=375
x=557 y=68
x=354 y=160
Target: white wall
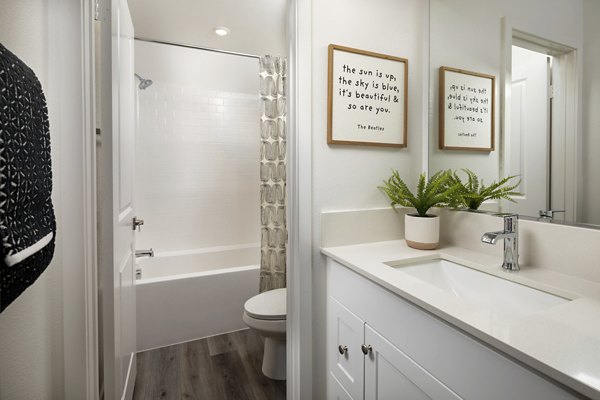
x=590 y=212
x=198 y=155
x=346 y=177
x=256 y=27
x=31 y=328
x=466 y=34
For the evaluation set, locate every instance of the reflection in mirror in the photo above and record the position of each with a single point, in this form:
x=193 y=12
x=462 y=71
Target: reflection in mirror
x=534 y=112
x=545 y=57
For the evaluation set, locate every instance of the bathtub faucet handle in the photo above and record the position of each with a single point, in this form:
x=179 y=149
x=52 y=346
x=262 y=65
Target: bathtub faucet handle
x=137 y=224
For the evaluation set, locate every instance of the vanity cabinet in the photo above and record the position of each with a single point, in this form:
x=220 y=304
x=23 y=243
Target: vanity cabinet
x=368 y=363
x=380 y=346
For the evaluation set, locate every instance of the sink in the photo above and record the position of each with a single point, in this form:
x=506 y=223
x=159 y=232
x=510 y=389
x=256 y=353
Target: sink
x=499 y=295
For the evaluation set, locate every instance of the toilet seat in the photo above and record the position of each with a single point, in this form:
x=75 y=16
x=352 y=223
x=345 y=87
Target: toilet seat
x=269 y=305
x=266 y=327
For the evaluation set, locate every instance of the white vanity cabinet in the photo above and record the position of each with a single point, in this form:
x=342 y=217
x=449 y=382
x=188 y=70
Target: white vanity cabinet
x=411 y=354
x=368 y=363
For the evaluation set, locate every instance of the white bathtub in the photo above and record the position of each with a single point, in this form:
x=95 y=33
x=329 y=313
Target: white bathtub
x=189 y=295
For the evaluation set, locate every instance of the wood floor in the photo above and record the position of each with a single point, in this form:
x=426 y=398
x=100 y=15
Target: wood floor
x=224 y=367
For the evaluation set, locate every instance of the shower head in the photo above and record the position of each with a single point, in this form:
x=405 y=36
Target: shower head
x=144 y=83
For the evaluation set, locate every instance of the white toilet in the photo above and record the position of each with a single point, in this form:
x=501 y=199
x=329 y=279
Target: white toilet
x=266 y=312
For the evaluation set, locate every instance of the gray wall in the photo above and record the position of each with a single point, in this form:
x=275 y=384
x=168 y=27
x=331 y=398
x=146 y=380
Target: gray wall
x=590 y=188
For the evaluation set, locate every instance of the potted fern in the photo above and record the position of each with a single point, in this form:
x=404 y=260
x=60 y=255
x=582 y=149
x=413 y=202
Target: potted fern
x=472 y=193
x=421 y=230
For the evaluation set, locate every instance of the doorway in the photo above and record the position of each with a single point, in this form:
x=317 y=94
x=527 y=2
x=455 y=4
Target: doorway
x=531 y=135
x=540 y=126
x=139 y=10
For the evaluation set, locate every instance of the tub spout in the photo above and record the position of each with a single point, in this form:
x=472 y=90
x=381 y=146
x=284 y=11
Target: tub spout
x=144 y=253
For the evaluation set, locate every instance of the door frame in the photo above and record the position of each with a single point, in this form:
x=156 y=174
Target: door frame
x=71 y=96
x=299 y=212
x=568 y=120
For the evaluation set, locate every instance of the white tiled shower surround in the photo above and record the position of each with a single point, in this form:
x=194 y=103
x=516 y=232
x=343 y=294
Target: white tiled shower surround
x=198 y=142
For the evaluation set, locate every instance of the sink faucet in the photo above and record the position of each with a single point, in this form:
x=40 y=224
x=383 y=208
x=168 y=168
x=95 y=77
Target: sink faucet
x=549 y=214
x=510 y=235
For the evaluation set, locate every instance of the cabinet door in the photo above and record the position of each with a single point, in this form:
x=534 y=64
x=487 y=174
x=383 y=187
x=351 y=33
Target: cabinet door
x=335 y=390
x=391 y=374
x=346 y=330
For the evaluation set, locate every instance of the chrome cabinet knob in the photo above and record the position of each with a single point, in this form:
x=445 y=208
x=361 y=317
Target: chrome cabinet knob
x=342 y=349
x=366 y=348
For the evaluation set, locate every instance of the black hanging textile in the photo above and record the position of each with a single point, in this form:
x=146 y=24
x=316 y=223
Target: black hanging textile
x=27 y=223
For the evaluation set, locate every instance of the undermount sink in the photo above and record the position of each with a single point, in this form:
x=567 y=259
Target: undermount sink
x=488 y=291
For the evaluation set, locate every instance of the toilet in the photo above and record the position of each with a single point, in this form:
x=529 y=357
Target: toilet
x=266 y=313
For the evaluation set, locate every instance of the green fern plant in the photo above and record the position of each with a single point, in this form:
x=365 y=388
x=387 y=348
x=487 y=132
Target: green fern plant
x=434 y=192
x=473 y=192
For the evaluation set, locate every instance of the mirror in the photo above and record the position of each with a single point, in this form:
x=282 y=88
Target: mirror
x=545 y=58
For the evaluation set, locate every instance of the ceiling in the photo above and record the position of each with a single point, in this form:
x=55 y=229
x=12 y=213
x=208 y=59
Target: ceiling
x=256 y=27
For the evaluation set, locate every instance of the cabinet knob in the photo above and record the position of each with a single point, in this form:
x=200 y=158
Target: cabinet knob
x=342 y=349
x=366 y=348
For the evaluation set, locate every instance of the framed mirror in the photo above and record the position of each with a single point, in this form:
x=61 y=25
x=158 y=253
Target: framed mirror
x=545 y=59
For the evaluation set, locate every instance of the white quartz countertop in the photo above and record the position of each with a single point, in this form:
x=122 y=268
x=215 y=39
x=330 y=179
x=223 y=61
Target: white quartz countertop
x=562 y=342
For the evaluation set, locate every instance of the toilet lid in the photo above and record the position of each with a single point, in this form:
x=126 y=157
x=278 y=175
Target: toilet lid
x=267 y=305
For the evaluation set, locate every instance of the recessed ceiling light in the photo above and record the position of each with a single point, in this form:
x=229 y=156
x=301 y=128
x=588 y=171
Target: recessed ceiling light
x=222 y=31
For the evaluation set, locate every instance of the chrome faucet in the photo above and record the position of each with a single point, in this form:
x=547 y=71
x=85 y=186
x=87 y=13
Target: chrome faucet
x=510 y=234
x=142 y=253
x=549 y=214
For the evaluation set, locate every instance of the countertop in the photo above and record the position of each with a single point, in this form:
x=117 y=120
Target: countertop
x=562 y=342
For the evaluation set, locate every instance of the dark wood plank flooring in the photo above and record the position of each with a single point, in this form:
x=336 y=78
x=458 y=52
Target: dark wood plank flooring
x=224 y=367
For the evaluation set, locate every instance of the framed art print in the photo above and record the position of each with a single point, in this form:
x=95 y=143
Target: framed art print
x=466 y=110
x=367 y=98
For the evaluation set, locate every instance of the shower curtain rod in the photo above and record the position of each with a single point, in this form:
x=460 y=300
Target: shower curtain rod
x=233 y=53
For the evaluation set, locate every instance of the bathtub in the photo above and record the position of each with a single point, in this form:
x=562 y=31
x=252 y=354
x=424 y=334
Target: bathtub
x=188 y=295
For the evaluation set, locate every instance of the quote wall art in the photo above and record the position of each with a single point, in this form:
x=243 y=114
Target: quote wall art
x=367 y=98
x=466 y=110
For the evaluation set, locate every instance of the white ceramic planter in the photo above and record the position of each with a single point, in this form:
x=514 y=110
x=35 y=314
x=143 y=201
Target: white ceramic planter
x=422 y=233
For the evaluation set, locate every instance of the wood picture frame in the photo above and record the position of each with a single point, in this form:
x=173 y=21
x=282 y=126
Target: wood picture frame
x=466 y=110
x=367 y=98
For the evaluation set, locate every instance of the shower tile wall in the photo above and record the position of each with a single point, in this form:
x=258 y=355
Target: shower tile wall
x=198 y=154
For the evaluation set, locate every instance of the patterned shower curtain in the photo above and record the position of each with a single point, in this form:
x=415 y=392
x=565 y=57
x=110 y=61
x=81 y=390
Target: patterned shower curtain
x=273 y=81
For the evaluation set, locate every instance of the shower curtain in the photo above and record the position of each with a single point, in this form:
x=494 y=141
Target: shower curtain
x=273 y=76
